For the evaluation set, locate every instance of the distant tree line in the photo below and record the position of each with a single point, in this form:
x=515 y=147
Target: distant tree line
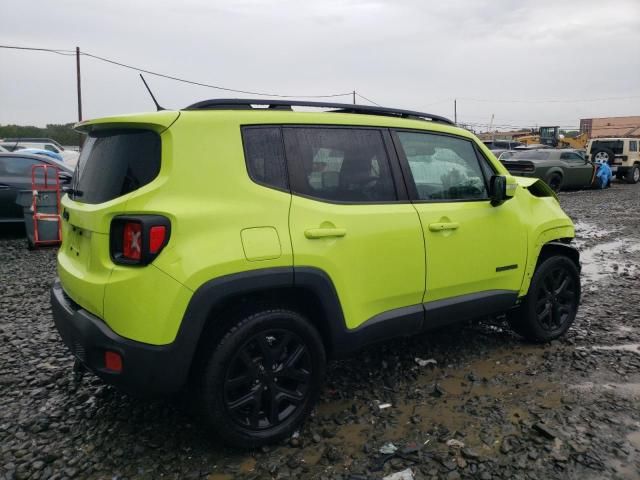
x=63 y=134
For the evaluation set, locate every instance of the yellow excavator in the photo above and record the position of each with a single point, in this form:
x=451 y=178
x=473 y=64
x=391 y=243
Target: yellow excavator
x=552 y=137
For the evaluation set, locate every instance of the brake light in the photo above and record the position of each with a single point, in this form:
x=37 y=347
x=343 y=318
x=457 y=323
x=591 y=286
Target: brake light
x=138 y=239
x=157 y=234
x=132 y=241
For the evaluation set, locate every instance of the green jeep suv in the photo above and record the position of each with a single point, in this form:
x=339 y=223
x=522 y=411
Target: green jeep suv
x=235 y=245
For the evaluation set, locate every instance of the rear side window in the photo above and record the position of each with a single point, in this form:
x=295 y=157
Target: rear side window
x=443 y=167
x=339 y=164
x=114 y=163
x=633 y=146
x=264 y=155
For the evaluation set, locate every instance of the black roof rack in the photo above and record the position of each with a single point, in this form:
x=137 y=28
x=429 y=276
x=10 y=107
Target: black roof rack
x=247 y=104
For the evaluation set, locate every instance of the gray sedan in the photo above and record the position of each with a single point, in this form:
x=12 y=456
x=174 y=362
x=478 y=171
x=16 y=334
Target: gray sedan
x=15 y=175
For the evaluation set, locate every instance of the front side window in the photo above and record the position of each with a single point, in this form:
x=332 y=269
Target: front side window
x=264 y=155
x=339 y=164
x=443 y=167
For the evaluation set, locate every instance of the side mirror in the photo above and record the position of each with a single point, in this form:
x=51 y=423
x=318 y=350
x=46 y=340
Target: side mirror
x=498 y=190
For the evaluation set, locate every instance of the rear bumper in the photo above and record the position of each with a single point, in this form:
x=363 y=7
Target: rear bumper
x=147 y=370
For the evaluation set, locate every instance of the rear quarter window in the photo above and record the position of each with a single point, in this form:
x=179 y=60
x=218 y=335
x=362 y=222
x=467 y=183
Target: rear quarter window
x=114 y=163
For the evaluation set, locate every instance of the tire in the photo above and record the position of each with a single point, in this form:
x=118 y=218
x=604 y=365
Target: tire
x=248 y=403
x=633 y=175
x=551 y=304
x=603 y=155
x=555 y=182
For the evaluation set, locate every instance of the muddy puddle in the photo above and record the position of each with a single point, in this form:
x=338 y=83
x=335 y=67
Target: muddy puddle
x=605 y=259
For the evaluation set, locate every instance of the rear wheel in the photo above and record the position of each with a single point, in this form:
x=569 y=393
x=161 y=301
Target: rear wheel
x=633 y=174
x=551 y=304
x=555 y=182
x=263 y=378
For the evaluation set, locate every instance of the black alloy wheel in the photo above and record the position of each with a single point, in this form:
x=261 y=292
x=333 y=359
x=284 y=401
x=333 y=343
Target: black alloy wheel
x=555 y=302
x=267 y=379
x=552 y=302
x=262 y=377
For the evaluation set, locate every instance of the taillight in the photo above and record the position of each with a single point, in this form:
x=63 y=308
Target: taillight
x=138 y=239
x=132 y=241
x=157 y=234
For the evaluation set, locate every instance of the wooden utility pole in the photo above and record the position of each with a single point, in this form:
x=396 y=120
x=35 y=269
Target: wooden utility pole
x=354 y=97
x=78 y=84
x=455 y=111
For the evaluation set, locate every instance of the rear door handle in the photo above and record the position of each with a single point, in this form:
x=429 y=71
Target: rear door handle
x=439 y=227
x=324 y=232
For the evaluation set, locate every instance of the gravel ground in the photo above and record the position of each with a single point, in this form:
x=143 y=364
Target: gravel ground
x=490 y=406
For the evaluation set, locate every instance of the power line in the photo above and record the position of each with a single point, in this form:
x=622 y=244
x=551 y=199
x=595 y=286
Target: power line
x=582 y=100
x=172 y=77
x=368 y=100
x=48 y=50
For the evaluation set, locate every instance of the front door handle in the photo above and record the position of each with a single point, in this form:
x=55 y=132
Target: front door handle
x=324 y=232
x=439 y=227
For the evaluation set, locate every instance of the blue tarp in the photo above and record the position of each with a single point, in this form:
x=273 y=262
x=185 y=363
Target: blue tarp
x=603 y=175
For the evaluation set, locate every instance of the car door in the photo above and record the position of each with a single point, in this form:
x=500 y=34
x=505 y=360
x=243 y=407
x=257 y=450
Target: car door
x=475 y=252
x=351 y=219
x=15 y=175
x=578 y=171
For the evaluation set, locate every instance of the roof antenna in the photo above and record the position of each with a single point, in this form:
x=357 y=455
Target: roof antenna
x=158 y=107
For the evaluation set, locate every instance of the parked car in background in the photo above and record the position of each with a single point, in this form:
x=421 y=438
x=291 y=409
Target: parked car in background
x=622 y=155
x=502 y=144
x=40 y=151
x=69 y=156
x=560 y=168
x=15 y=175
x=3 y=150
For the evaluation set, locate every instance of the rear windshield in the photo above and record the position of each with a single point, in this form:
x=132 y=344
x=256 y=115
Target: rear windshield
x=530 y=155
x=114 y=163
x=615 y=146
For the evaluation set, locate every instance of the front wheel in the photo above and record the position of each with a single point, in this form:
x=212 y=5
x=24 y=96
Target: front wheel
x=551 y=304
x=263 y=378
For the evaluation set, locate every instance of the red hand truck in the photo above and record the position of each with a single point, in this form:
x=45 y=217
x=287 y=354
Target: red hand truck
x=44 y=183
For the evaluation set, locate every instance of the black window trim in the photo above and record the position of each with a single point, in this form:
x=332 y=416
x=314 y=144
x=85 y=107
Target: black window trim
x=408 y=176
x=402 y=196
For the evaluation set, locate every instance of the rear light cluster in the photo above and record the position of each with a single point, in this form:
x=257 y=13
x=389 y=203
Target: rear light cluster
x=519 y=166
x=137 y=240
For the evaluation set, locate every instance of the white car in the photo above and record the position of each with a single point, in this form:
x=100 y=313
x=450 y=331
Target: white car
x=70 y=157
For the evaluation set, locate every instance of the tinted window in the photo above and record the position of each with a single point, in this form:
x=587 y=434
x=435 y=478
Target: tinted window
x=115 y=163
x=17 y=166
x=633 y=146
x=51 y=148
x=530 y=155
x=443 y=167
x=571 y=157
x=615 y=145
x=339 y=164
x=265 y=156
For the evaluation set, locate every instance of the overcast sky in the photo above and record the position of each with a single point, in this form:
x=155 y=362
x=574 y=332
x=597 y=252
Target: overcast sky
x=500 y=57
